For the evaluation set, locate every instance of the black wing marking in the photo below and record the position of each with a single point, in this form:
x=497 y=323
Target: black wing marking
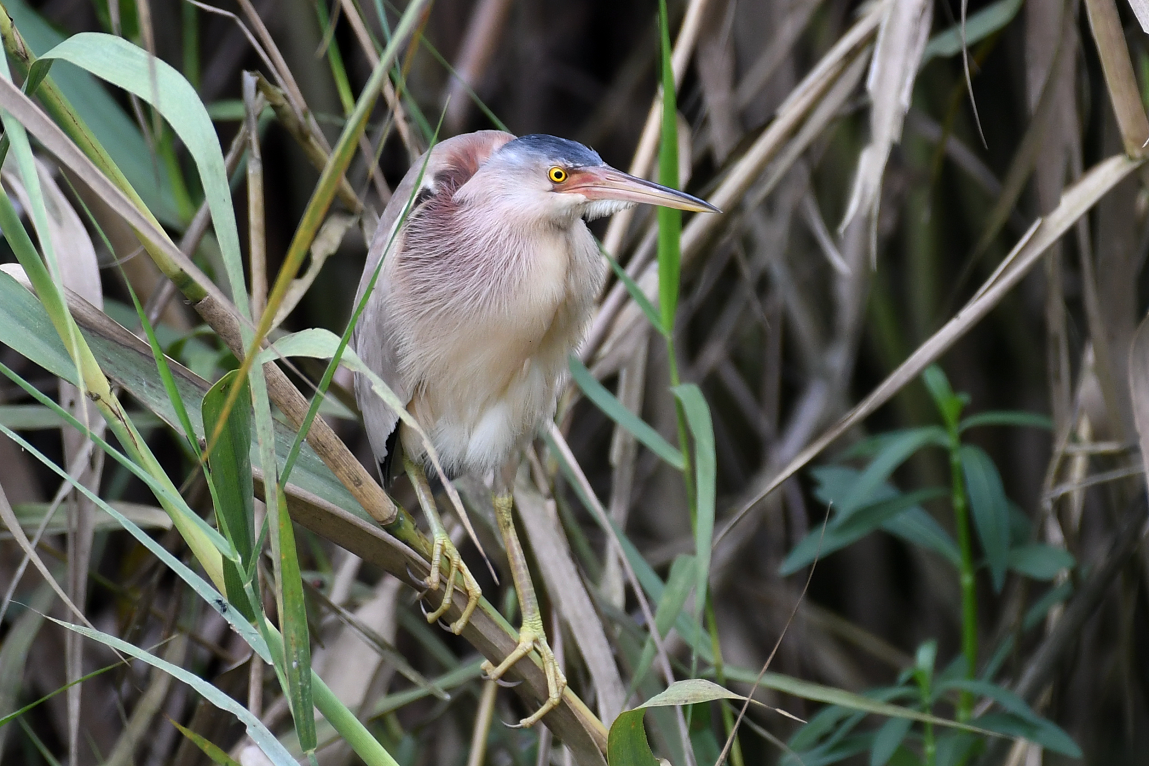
x=387 y=464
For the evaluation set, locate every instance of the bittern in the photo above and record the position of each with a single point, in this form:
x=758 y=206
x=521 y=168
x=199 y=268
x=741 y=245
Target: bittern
x=485 y=289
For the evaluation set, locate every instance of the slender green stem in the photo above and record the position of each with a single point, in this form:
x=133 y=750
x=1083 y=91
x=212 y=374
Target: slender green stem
x=968 y=582
x=929 y=746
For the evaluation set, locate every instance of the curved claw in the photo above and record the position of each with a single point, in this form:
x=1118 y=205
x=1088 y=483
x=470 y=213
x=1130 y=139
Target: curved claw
x=500 y=681
x=556 y=682
x=444 y=548
x=417 y=581
x=423 y=609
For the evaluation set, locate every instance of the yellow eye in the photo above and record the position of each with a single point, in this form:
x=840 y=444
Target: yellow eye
x=557 y=175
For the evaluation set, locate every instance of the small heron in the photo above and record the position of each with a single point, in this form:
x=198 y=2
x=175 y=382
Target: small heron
x=486 y=286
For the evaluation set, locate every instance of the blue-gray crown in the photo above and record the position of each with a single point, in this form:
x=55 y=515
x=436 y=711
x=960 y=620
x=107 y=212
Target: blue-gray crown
x=553 y=148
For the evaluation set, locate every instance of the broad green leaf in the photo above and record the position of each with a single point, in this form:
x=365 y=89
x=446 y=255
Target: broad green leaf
x=955 y=748
x=259 y=734
x=978 y=26
x=1007 y=418
x=1009 y=701
x=705 y=484
x=1019 y=718
x=887 y=740
x=827 y=722
x=869 y=446
x=990 y=509
x=1040 y=561
x=114 y=129
x=893 y=454
x=842 y=531
x=617 y=411
x=690 y=691
x=915 y=526
x=626 y=744
x=230 y=467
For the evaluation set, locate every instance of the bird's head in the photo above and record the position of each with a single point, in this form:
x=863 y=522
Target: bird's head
x=553 y=178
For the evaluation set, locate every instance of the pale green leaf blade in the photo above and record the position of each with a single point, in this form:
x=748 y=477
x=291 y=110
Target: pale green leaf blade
x=618 y=412
x=152 y=80
x=706 y=478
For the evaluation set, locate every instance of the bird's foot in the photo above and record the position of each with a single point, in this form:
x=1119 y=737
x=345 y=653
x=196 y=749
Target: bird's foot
x=533 y=638
x=442 y=549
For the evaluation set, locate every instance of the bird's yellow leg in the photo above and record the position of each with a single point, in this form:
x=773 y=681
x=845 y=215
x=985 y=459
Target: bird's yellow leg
x=442 y=548
x=531 y=634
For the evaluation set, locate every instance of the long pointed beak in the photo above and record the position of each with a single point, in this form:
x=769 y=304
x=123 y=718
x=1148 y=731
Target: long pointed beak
x=605 y=182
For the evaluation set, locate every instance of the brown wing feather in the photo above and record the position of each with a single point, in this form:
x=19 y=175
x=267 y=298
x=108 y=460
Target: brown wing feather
x=450 y=165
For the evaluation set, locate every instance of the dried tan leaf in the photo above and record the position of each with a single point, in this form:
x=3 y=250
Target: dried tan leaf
x=901 y=39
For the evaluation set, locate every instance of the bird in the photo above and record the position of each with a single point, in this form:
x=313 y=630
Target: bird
x=479 y=283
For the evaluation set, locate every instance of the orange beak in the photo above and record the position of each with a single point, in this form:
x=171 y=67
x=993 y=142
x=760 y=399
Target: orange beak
x=604 y=182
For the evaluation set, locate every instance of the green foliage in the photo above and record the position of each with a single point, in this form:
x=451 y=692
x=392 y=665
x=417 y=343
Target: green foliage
x=864 y=500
